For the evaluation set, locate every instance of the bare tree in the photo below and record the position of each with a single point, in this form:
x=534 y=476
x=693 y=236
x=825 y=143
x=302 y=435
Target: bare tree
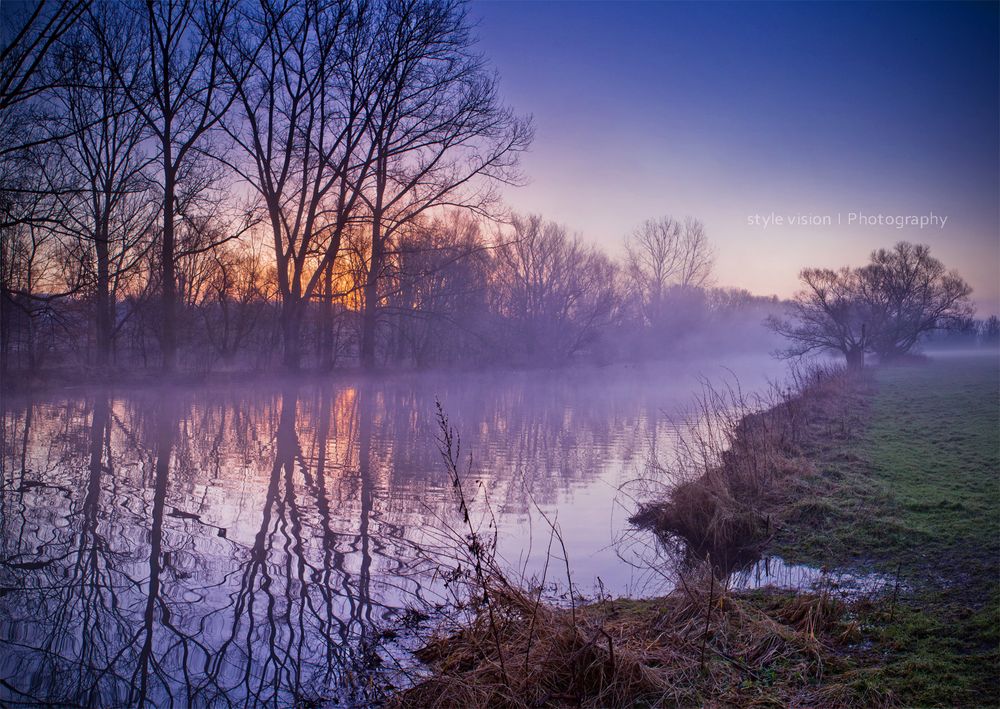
x=29 y=31
x=34 y=276
x=555 y=292
x=884 y=307
x=665 y=253
x=301 y=127
x=100 y=180
x=440 y=133
x=829 y=314
x=238 y=290
x=914 y=294
x=183 y=96
x=437 y=293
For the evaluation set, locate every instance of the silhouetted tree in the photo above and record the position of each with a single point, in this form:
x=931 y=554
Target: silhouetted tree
x=99 y=176
x=29 y=31
x=829 y=314
x=662 y=255
x=913 y=294
x=439 y=293
x=555 y=292
x=439 y=132
x=989 y=331
x=33 y=276
x=884 y=307
x=182 y=96
x=302 y=78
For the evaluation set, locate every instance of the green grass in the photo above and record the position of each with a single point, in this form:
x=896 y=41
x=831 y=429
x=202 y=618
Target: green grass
x=918 y=491
x=934 y=443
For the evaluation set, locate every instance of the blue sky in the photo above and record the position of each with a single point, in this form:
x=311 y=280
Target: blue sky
x=726 y=110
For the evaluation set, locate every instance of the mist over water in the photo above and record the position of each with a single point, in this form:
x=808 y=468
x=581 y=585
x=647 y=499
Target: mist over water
x=242 y=544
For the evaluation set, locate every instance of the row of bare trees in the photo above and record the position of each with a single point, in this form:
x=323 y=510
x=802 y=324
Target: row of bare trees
x=136 y=135
x=195 y=182
x=451 y=290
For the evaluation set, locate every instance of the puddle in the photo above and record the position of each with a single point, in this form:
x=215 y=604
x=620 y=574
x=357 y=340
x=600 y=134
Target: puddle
x=775 y=572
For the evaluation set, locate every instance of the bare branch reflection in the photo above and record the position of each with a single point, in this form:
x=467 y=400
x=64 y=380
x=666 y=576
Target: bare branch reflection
x=256 y=547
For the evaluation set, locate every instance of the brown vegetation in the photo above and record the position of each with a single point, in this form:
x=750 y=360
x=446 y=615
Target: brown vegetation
x=727 y=473
x=703 y=643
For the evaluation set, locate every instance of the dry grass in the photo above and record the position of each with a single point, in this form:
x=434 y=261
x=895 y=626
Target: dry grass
x=725 y=477
x=702 y=645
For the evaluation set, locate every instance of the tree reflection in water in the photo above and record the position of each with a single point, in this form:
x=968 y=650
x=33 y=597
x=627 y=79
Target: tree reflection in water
x=234 y=547
x=119 y=589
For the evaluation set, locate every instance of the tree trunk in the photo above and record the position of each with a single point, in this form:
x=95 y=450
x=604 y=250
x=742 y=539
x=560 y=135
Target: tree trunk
x=855 y=359
x=368 y=323
x=369 y=319
x=291 y=321
x=5 y=333
x=169 y=285
x=103 y=303
x=326 y=322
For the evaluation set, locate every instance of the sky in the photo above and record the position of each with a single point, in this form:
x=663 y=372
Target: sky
x=727 y=111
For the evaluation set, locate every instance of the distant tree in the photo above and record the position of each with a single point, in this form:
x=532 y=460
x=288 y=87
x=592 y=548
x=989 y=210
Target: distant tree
x=665 y=254
x=828 y=315
x=32 y=276
x=436 y=297
x=989 y=331
x=913 y=294
x=235 y=295
x=555 y=293
x=884 y=307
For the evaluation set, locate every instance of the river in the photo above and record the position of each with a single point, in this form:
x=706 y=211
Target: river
x=249 y=544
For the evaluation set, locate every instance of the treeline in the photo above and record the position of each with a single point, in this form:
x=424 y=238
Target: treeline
x=451 y=293
x=196 y=184
x=967 y=332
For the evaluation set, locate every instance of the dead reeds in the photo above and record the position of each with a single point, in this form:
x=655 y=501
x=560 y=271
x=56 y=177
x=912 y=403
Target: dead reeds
x=703 y=644
x=723 y=477
x=700 y=645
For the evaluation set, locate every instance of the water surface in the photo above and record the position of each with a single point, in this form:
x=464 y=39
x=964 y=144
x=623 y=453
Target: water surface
x=247 y=545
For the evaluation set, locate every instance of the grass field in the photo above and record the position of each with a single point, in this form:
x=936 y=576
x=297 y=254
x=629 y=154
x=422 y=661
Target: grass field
x=917 y=492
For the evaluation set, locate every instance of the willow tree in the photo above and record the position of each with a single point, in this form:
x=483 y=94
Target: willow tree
x=829 y=314
x=913 y=294
x=884 y=307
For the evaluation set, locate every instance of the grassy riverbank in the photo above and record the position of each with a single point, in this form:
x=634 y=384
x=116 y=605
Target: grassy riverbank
x=895 y=475
x=918 y=493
